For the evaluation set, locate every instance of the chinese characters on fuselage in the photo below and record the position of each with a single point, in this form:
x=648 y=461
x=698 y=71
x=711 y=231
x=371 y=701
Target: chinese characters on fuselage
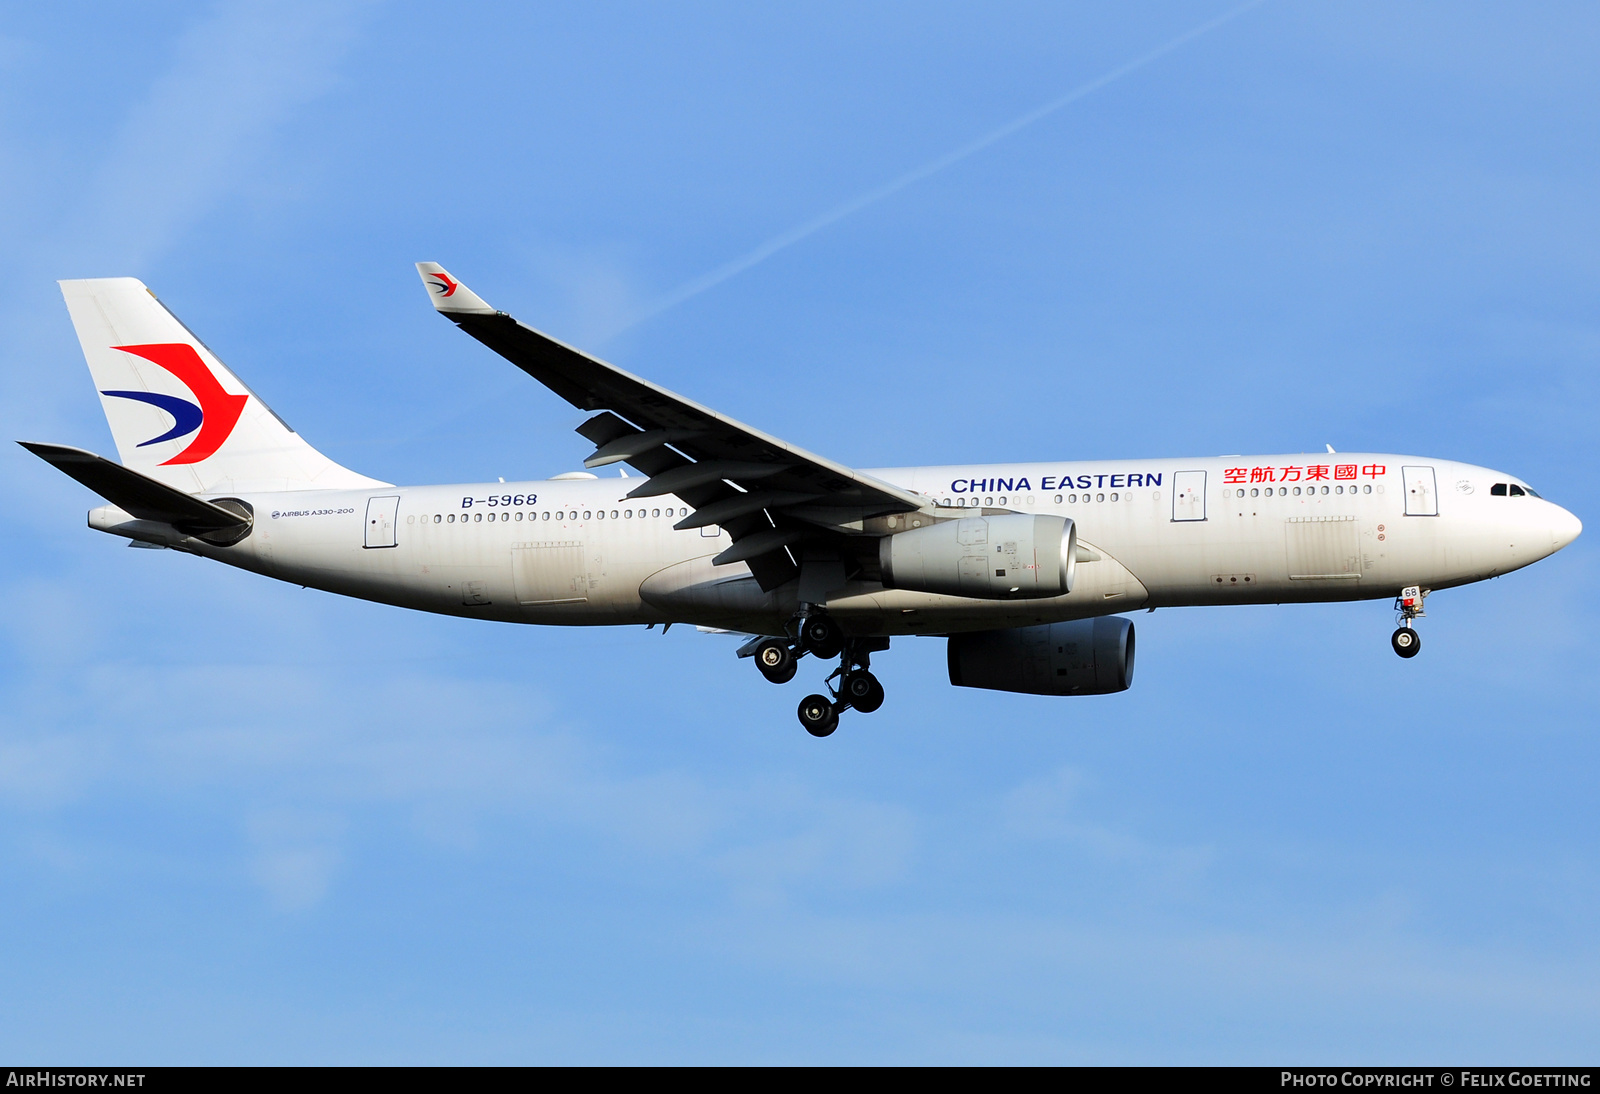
x=1338 y=472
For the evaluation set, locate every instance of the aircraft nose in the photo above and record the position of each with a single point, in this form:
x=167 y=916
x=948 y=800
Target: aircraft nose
x=1564 y=528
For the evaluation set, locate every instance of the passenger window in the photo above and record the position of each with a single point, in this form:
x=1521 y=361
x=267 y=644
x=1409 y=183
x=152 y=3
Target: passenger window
x=586 y=514
x=1072 y=498
x=1099 y=497
x=1366 y=489
x=1516 y=491
x=1058 y=499
x=1113 y=497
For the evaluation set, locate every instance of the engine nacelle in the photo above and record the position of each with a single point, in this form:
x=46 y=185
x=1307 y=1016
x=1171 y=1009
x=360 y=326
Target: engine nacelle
x=993 y=558
x=1083 y=657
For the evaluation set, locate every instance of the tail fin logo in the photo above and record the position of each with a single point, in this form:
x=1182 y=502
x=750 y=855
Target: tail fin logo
x=443 y=285
x=213 y=415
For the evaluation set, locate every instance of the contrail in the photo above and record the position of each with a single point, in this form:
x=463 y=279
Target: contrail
x=794 y=235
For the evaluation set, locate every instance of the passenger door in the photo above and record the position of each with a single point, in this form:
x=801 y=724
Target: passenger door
x=1189 y=495
x=1422 y=496
x=380 y=521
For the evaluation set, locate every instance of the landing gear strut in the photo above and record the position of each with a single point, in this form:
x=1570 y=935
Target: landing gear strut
x=1408 y=606
x=857 y=687
x=850 y=686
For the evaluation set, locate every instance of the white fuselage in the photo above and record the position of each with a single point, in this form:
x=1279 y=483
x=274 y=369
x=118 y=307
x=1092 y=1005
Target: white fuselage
x=1152 y=533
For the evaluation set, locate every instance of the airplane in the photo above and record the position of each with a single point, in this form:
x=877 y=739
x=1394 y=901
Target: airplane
x=1028 y=570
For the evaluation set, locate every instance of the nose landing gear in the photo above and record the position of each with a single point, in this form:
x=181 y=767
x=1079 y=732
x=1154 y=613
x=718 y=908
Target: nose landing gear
x=1408 y=606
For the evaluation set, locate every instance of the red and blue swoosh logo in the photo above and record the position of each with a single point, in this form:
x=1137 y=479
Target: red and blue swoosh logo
x=211 y=417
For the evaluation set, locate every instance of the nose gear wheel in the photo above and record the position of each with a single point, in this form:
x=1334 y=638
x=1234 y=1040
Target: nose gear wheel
x=1406 y=642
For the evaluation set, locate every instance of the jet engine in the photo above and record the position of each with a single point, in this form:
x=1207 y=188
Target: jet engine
x=992 y=558
x=1083 y=657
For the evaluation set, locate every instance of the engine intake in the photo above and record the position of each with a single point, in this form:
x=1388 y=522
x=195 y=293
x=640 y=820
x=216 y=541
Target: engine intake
x=991 y=558
x=1083 y=657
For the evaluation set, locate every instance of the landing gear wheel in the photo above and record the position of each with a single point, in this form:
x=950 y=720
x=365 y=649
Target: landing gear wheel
x=818 y=715
x=821 y=637
x=776 y=660
x=1406 y=642
x=862 y=691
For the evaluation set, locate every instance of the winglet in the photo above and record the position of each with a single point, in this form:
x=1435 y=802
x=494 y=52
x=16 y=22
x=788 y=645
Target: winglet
x=449 y=295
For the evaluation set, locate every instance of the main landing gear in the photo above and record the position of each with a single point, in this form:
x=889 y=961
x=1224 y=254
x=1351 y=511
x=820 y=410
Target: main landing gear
x=817 y=634
x=1408 y=606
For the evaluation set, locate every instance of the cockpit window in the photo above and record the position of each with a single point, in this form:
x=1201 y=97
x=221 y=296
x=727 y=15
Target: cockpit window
x=1498 y=490
x=1532 y=493
x=1516 y=491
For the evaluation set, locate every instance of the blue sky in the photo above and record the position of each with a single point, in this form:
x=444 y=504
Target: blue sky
x=245 y=822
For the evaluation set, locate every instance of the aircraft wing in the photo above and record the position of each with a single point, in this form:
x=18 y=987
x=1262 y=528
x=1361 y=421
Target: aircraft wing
x=771 y=497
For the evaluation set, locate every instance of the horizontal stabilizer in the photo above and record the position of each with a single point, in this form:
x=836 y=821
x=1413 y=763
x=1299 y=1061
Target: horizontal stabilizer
x=143 y=497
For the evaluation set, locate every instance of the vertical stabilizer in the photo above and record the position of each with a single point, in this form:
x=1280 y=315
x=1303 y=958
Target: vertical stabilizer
x=177 y=413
